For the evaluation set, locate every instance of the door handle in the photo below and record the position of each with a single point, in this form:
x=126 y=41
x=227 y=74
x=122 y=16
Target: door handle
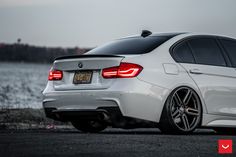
x=195 y=71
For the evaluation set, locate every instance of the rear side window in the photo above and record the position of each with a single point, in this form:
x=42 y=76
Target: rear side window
x=206 y=51
x=182 y=53
x=230 y=47
x=132 y=45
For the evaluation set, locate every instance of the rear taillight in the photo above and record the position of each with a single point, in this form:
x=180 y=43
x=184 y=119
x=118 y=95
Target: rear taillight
x=125 y=70
x=55 y=75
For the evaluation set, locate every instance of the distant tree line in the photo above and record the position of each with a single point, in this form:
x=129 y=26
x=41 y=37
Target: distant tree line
x=27 y=53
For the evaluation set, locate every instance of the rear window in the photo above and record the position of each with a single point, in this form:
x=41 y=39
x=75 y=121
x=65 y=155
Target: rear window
x=206 y=51
x=132 y=45
x=230 y=47
x=183 y=54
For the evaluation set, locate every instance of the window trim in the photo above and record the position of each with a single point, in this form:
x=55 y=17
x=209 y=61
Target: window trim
x=186 y=39
x=188 y=46
x=224 y=49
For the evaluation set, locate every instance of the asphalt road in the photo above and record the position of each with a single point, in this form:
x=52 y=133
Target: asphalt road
x=110 y=143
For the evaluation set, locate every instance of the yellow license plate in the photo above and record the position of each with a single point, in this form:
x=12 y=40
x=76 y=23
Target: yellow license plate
x=83 y=77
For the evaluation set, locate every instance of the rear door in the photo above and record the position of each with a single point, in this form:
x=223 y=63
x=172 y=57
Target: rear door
x=207 y=64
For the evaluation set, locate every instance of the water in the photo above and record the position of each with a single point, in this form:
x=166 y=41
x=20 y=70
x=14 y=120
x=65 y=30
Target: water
x=21 y=84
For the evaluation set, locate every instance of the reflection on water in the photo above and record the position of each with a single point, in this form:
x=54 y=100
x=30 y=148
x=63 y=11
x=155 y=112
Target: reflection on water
x=21 y=84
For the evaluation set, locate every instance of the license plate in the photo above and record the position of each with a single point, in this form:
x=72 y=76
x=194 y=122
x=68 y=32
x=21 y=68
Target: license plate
x=83 y=77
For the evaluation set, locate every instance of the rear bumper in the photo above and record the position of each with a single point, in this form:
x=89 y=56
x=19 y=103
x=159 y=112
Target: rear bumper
x=134 y=98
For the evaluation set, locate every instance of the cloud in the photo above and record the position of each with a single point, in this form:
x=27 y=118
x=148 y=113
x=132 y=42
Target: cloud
x=19 y=3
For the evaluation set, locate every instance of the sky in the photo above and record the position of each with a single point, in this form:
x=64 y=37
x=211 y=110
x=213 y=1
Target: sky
x=89 y=23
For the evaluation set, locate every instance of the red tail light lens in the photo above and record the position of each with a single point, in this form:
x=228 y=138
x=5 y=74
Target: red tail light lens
x=125 y=70
x=55 y=75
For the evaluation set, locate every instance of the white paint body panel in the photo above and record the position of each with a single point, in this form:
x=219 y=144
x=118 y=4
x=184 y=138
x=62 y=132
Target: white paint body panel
x=129 y=94
x=218 y=87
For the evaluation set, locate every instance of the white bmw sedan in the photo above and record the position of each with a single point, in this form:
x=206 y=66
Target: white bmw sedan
x=177 y=82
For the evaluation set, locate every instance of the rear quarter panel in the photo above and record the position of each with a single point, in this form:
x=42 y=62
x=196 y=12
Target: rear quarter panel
x=154 y=73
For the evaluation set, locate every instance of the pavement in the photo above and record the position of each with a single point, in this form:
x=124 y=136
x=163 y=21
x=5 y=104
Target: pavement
x=109 y=143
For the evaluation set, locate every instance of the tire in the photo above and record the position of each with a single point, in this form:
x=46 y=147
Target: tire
x=89 y=126
x=182 y=112
x=225 y=131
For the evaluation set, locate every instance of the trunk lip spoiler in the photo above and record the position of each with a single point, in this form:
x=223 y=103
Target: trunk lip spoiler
x=86 y=56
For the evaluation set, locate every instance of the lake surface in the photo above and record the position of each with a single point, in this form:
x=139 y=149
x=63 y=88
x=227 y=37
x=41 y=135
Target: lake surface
x=21 y=84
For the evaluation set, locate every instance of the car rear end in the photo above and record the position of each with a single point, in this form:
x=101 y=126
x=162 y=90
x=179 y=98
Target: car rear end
x=101 y=82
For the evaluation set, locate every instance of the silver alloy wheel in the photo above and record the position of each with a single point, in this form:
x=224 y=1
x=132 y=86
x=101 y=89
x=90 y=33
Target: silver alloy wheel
x=185 y=109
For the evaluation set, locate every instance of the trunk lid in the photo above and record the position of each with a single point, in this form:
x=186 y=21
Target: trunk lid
x=85 y=63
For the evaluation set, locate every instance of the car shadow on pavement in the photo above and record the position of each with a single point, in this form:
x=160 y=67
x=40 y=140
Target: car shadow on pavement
x=114 y=131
